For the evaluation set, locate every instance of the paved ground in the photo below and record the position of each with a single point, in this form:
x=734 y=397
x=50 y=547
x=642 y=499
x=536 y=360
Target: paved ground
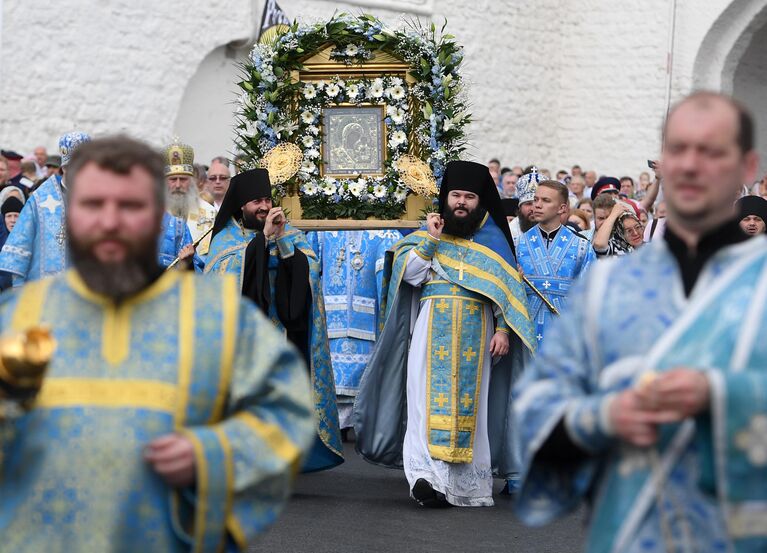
x=362 y=508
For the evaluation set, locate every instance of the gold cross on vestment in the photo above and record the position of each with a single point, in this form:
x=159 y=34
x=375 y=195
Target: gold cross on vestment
x=472 y=307
x=454 y=289
x=441 y=400
x=442 y=305
x=469 y=354
x=441 y=353
x=466 y=400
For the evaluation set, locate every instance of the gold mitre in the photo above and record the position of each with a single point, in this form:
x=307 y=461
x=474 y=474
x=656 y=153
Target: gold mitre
x=283 y=162
x=417 y=175
x=179 y=159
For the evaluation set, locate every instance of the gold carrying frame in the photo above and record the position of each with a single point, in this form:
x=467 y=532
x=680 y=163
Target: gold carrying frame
x=319 y=66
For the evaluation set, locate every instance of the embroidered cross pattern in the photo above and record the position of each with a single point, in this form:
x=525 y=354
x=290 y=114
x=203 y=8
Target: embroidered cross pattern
x=441 y=400
x=441 y=353
x=454 y=289
x=472 y=307
x=442 y=305
x=547 y=284
x=469 y=353
x=466 y=401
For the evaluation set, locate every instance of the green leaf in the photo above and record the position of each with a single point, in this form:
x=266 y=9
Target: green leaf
x=247 y=86
x=380 y=38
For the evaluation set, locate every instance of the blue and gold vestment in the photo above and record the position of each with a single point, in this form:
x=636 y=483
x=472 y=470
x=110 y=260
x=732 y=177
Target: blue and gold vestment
x=469 y=275
x=226 y=255
x=186 y=355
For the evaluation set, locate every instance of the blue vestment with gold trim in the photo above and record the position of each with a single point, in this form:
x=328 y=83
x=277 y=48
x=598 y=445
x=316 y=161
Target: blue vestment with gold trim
x=702 y=486
x=468 y=275
x=185 y=355
x=226 y=255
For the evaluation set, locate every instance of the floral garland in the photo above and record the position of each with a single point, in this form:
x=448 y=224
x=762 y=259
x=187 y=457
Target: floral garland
x=269 y=113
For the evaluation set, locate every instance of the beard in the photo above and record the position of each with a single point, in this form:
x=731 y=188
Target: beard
x=117 y=280
x=180 y=203
x=462 y=227
x=250 y=221
x=525 y=223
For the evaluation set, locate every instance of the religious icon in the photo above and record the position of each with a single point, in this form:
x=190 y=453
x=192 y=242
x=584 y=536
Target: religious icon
x=353 y=141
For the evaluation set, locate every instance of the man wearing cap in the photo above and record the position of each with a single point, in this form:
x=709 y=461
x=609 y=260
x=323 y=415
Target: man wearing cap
x=183 y=195
x=36 y=246
x=279 y=271
x=526 y=186
x=612 y=186
x=455 y=307
x=14 y=168
x=551 y=255
x=752 y=211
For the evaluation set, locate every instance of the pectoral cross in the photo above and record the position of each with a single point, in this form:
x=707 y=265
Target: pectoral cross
x=460 y=270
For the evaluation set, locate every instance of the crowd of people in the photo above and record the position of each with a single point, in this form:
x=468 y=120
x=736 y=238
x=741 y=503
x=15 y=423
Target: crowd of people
x=491 y=343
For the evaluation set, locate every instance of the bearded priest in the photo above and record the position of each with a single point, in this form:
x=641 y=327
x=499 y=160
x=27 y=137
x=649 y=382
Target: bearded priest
x=277 y=269
x=455 y=297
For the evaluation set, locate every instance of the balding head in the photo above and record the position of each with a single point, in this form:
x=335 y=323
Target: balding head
x=713 y=102
x=708 y=154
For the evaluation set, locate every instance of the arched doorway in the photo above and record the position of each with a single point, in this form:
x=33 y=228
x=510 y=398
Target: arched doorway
x=733 y=59
x=750 y=87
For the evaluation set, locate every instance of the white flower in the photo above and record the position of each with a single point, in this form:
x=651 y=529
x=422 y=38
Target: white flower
x=307 y=117
x=352 y=90
x=396 y=92
x=448 y=124
x=351 y=50
x=308 y=166
x=379 y=191
x=397 y=138
x=307 y=141
x=310 y=189
x=332 y=90
x=376 y=90
x=245 y=100
x=250 y=128
x=398 y=116
x=355 y=188
x=328 y=187
x=312 y=129
x=310 y=92
x=320 y=85
x=396 y=81
x=378 y=81
x=312 y=153
x=400 y=195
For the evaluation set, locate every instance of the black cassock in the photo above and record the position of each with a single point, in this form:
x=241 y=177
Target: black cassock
x=292 y=290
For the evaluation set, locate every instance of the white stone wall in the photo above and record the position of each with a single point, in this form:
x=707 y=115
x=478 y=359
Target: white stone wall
x=552 y=82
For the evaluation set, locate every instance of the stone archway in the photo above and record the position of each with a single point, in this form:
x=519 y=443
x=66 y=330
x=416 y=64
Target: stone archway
x=732 y=59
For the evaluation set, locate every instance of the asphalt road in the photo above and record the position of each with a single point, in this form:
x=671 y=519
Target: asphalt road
x=361 y=508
